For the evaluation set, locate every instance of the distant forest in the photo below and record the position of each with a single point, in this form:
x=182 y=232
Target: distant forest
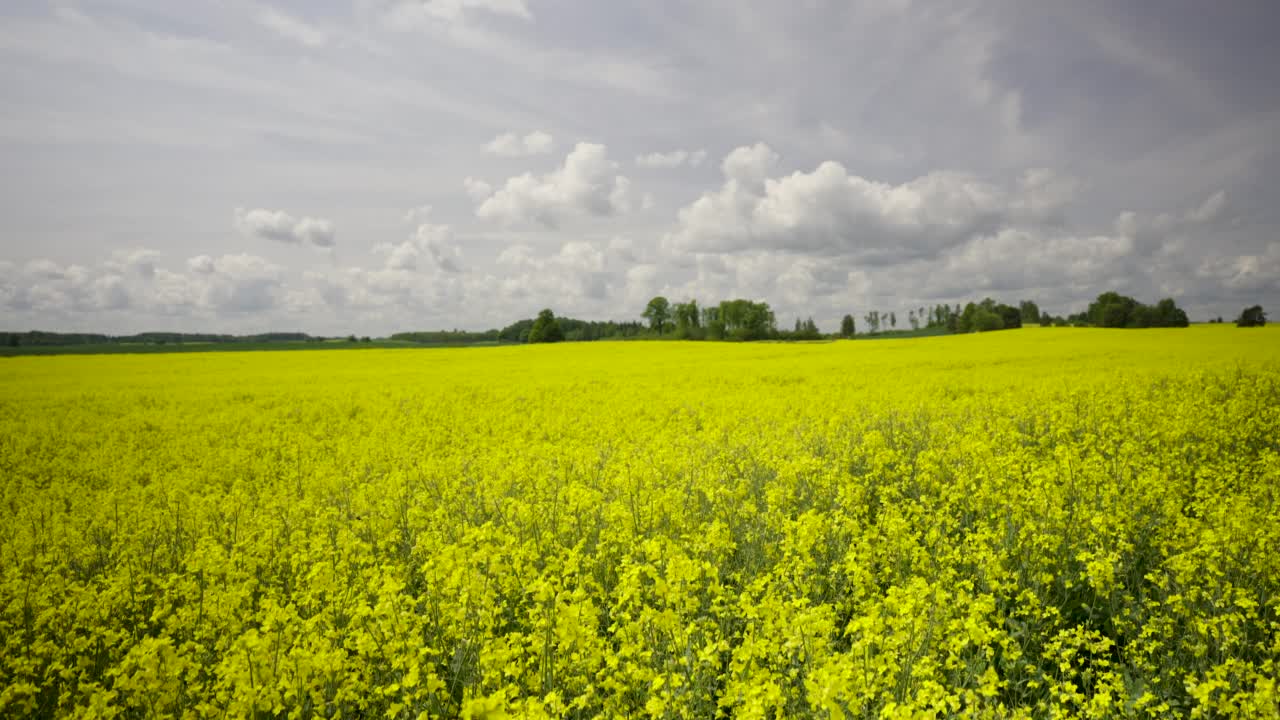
x=733 y=320
x=40 y=338
x=746 y=320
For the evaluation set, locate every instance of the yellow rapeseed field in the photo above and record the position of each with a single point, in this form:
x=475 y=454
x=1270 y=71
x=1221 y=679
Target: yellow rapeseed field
x=1034 y=523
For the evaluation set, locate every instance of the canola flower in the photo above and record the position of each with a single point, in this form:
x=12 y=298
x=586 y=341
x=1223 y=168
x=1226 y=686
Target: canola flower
x=1037 y=523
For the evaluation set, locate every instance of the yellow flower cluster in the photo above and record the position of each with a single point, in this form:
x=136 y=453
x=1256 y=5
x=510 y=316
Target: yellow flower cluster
x=1037 y=523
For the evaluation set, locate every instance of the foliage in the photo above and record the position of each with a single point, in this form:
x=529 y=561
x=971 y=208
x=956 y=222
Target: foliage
x=38 y=338
x=574 y=329
x=1113 y=310
x=1251 y=317
x=658 y=313
x=804 y=330
x=988 y=315
x=687 y=318
x=546 y=328
x=1029 y=312
x=744 y=320
x=847 y=327
x=448 y=337
x=157 y=348
x=1024 y=524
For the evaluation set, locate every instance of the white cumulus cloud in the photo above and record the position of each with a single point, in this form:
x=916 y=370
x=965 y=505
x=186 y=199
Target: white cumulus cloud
x=830 y=211
x=585 y=185
x=431 y=247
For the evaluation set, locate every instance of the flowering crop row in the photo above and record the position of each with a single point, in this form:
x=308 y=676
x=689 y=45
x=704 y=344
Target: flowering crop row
x=1044 y=523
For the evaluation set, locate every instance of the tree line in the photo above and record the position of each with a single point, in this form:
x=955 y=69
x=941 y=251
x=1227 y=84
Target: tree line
x=746 y=320
x=733 y=320
x=40 y=338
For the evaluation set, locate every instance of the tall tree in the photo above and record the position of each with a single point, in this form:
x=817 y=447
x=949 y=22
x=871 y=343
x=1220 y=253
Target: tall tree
x=1251 y=317
x=546 y=328
x=1030 y=312
x=1168 y=314
x=1111 y=310
x=686 y=317
x=1010 y=316
x=747 y=320
x=658 y=313
x=847 y=327
x=808 y=330
x=712 y=321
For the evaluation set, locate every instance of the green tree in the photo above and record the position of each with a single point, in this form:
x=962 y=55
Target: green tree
x=953 y=318
x=964 y=319
x=1029 y=311
x=806 y=330
x=985 y=320
x=546 y=328
x=1010 y=317
x=847 y=327
x=1251 y=317
x=1168 y=314
x=713 y=323
x=1111 y=310
x=686 y=319
x=658 y=313
x=747 y=320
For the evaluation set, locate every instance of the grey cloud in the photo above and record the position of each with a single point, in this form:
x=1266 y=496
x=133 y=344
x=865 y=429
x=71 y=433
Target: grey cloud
x=202 y=264
x=1154 y=232
x=578 y=273
x=110 y=293
x=291 y=28
x=141 y=261
x=512 y=145
x=240 y=283
x=671 y=159
x=282 y=227
x=409 y=14
x=1251 y=273
x=1017 y=259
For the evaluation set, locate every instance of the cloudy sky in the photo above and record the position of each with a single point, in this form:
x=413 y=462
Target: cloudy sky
x=368 y=166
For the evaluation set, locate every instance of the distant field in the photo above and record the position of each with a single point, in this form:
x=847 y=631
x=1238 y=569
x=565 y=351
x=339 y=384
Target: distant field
x=1033 y=523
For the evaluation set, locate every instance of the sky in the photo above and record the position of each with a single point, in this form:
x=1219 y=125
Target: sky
x=373 y=166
